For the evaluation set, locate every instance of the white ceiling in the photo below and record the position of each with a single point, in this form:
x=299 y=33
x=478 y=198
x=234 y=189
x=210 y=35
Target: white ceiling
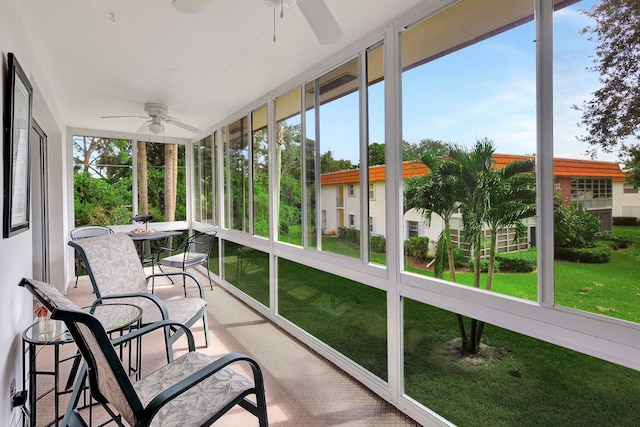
x=204 y=67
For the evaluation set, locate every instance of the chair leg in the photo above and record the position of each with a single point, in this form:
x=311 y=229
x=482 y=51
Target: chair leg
x=184 y=284
x=209 y=277
x=205 y=325
x=161 y=270
x=168 y=342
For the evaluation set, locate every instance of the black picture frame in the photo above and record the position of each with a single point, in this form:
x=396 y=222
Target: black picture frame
x=17 y=159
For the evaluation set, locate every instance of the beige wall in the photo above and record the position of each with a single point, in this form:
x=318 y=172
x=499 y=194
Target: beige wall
x=16 y=252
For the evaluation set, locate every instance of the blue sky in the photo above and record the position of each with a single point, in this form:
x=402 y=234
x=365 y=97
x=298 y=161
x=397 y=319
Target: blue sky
x=486 y=90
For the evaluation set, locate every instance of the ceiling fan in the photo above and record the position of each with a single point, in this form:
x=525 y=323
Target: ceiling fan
x=316 y=12
x=157 y=115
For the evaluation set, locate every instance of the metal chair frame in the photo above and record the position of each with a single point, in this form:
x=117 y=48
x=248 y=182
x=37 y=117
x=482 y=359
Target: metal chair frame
x=191 y=252
x=112 y=387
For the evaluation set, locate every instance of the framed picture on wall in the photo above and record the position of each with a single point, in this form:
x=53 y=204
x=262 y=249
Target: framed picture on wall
x=17 y=127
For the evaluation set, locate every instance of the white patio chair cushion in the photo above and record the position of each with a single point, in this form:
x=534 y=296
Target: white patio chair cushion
x=178 y=260
x=194 y=406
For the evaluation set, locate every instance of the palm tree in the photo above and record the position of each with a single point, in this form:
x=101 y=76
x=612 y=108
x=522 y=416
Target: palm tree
x=471 y=181
x=430 y=195
x=511 y=200
x=488 y=198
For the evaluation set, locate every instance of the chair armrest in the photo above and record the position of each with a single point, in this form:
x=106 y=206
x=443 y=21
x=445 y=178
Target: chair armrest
x=181 y=246
x=179 y=273
x=153 y=298
x=152 y=327
x=194 y=379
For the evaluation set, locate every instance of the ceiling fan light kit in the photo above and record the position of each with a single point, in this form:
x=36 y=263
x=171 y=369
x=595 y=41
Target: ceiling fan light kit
x=156 y=127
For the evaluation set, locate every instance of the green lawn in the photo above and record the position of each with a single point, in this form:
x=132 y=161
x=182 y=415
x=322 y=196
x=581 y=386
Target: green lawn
x=528 y=382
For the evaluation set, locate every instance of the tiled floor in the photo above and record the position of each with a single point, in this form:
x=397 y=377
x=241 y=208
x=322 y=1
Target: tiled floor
x=303 y=389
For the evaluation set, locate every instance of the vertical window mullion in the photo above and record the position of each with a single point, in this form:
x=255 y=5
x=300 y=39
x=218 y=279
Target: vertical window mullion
x=544 y=163
x=364 y=156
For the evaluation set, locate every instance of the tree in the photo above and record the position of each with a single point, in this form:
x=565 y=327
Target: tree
x=488 y=198
x=170 y=181
x=631 y=165
x=376 y=154
x=288 y=175
x=432 y=194
x=612 y=115
x=469 y=173
x=143 y=184
x=413 y=151
x=329 y=164
x=512 y=198
x=104 y=157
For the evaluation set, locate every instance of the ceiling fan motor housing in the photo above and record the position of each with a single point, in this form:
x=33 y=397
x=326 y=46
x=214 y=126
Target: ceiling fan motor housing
x=156 y=110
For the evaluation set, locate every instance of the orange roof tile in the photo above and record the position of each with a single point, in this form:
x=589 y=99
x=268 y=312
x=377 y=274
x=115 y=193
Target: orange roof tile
x=561 y=167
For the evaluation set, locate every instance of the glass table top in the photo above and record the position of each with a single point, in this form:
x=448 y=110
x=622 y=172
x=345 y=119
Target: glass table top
x=112 y=317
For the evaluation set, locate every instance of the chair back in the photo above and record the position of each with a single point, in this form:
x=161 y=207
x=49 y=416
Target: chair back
x=197 y=247
x=108 y=378
x=89 y=231
x=113 y=264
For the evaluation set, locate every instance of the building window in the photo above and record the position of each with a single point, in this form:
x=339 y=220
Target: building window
x=352 y=220
x=372 y=192
x=412 y=229
x=628 y=188
x=591 y=192
x=371 y=224
x=351 y=190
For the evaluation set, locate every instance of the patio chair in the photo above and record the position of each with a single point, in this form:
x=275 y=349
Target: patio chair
x=192 y=390
x=116 y=273
x=193 y=251
x=82 y=233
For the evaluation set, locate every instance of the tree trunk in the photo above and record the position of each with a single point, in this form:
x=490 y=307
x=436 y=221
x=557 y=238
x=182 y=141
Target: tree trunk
x=278 y=170
x=452 y=271
x=452 y=263
x=492 y=259
x=143 y=186
x=480 y=328
x=170 y=181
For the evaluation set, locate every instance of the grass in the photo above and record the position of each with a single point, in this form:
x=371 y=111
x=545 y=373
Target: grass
x=528 y=383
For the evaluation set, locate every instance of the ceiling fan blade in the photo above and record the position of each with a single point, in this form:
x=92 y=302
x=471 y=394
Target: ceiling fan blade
x=321 y=21
x=120 y=117
x=145 y=127
x=190 y=6
x=182 y=125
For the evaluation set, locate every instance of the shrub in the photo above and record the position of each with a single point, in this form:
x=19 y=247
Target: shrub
x=625 y=220
x=349 y=234
x=575 y=227
x=484 y=265
x=518 y=262
x=599 y=254
x=459 y=257
x=342 y=232
x=378 y=244
x=615 y=241
x=417 y=247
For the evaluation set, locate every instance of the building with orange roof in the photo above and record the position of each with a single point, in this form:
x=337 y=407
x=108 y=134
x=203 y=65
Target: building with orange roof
x=598 y=186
